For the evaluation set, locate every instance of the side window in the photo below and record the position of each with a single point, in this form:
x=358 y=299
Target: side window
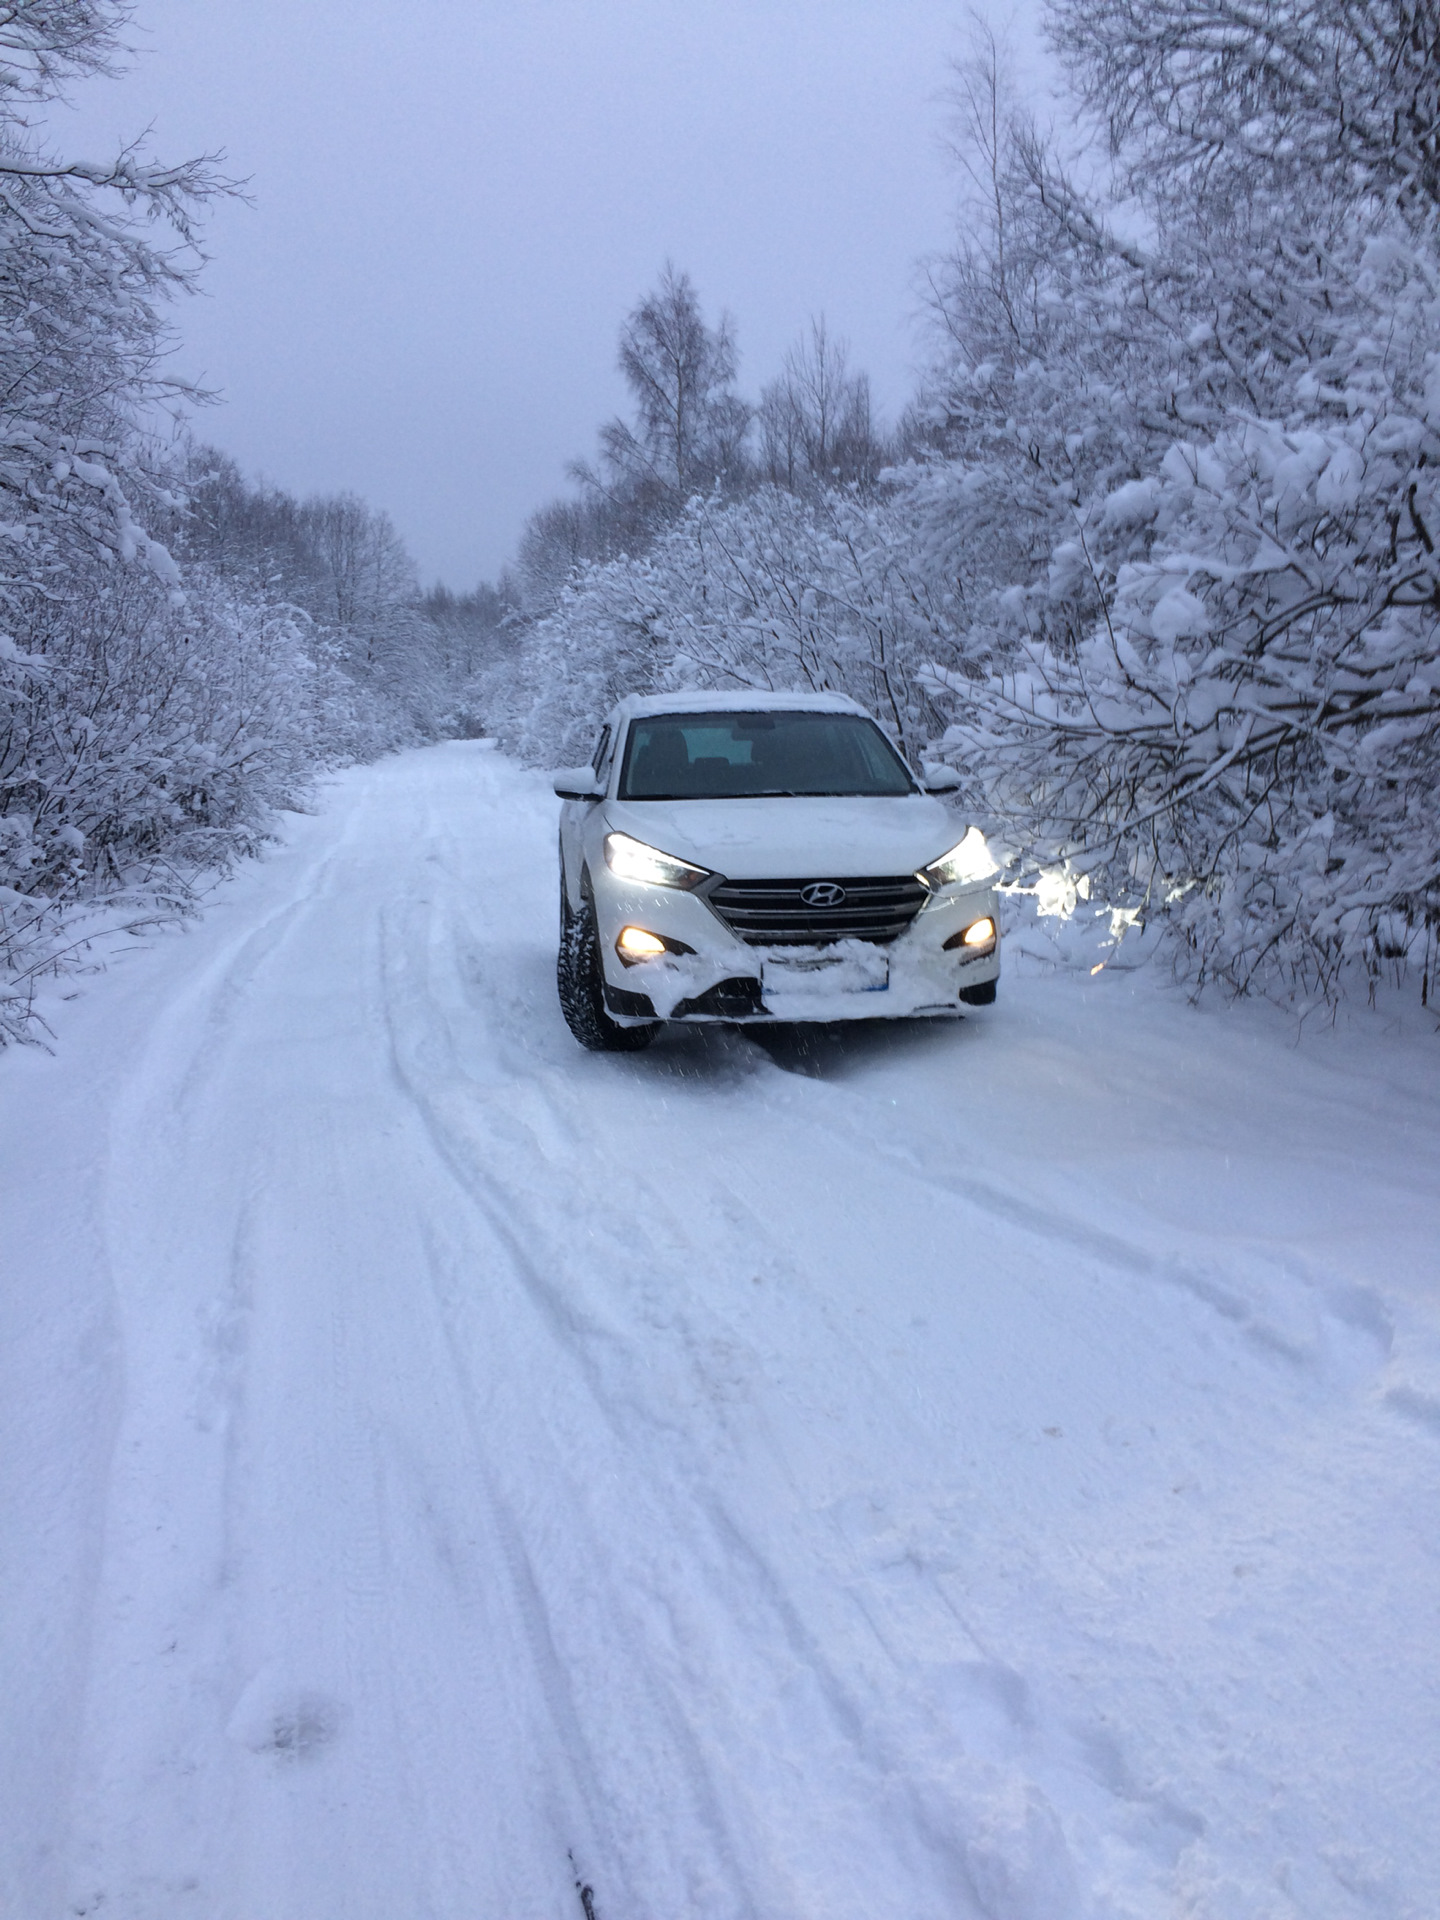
x=602 y=754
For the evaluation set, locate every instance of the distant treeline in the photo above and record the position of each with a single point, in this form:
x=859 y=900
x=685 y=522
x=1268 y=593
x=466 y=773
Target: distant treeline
x=162 y=693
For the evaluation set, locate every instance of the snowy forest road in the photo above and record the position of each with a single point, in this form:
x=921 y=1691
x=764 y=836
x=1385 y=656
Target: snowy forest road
x=984 y=1469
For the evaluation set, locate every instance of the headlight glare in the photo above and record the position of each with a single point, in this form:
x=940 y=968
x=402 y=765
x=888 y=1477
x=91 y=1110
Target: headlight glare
x=632 y=860
x=963 y=865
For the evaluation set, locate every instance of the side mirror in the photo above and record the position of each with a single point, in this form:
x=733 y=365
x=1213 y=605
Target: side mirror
x=937 y=779
x=576 y=783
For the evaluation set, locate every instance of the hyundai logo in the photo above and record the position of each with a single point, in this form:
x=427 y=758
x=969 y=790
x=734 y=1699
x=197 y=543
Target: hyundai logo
x=822 y=893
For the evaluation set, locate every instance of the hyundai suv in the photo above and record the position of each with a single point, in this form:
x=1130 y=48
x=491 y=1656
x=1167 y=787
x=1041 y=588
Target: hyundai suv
x=758 y=857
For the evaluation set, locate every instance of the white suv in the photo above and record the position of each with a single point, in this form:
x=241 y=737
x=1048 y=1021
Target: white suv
x=746 y=857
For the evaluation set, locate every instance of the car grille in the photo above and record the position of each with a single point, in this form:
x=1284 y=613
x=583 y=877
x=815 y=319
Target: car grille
x=771 y=913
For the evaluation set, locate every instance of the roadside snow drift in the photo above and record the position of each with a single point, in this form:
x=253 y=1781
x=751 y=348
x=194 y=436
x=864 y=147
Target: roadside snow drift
x=986 y=1469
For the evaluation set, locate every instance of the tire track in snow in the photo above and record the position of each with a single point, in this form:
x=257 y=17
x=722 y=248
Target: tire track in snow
x=184 y=1109
x=1347 y=1326
x=1028 y=1218
x=565 y=1487
x=520 y=1228
x=506 y=1204
x=404 y=990
x=158 y=1506
x=1352 y=1328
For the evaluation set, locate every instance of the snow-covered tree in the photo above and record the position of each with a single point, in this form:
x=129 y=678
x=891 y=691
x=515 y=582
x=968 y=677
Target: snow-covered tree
x=177 y=650
x=773 y=590
x=689 y=425
x=687 y=436
x=1197 y=98
x=89 y=253
x=815 y=421
x=1178 y=458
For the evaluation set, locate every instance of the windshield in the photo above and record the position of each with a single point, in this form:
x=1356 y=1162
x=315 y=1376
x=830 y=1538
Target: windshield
x=733 y=756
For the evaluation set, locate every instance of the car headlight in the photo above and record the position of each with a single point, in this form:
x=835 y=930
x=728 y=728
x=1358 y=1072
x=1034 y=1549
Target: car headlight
x=633 y=860
x=963 y=864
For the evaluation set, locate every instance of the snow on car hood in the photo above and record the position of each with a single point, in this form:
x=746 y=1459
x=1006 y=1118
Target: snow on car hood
x=787 y=839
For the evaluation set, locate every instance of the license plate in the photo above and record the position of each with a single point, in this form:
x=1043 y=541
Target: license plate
x=826 y=973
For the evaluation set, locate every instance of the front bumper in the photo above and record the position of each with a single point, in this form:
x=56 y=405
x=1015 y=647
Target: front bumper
x=725 y=978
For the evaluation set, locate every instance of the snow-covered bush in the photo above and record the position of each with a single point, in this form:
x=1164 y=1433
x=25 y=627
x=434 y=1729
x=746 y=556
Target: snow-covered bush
x=775 y=590
x=1178 y=460
x=1249 y=736
x=88 y=255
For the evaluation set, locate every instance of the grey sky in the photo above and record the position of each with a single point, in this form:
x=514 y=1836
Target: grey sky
x=457 y=201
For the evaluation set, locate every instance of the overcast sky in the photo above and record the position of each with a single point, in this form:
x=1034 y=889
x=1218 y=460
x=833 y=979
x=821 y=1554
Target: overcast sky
x=455 y=202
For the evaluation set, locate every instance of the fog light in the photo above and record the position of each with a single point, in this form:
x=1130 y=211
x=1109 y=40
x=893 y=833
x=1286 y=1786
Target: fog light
x=635 y=944
x=979 y=933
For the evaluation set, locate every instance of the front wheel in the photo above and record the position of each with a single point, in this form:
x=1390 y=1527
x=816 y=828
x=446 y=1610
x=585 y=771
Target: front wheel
x=581 y=986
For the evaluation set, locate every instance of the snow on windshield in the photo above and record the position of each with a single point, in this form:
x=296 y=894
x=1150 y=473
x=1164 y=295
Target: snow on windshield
x=721 y=756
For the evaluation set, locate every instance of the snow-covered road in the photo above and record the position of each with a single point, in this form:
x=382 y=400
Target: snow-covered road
x=975 y=1470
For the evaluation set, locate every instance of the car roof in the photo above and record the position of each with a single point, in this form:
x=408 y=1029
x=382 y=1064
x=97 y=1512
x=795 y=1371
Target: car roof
x=737 y=700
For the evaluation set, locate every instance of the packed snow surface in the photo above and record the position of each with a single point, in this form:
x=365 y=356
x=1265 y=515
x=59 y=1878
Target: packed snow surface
x=978 y=1469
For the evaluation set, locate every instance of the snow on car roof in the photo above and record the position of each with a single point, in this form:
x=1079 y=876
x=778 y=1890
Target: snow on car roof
x=738 y=700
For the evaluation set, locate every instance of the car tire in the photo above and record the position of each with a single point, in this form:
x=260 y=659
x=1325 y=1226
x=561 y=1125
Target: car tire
x=581 y=985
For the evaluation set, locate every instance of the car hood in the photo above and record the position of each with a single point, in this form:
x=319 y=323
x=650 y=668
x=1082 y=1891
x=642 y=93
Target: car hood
x=785 y=839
